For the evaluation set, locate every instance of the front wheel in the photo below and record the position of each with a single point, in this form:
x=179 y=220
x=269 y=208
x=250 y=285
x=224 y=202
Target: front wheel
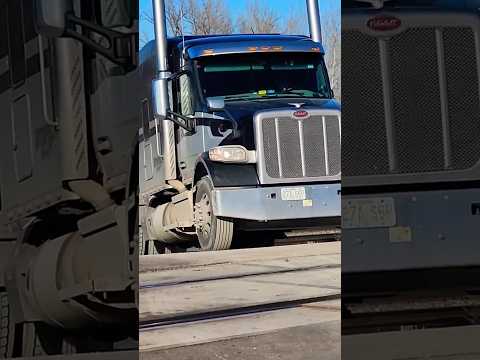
x=213 y=233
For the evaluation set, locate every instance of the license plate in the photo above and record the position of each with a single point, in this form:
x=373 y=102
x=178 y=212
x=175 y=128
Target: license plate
x=368 y=213
x=296 y=193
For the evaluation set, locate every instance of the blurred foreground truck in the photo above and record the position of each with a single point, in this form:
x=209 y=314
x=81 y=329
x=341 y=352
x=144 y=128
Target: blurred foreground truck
x=68 y=176
x=239 y=133
x=411 y=153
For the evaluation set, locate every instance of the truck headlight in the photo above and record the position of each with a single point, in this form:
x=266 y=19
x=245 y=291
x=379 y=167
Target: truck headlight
x=232 y=154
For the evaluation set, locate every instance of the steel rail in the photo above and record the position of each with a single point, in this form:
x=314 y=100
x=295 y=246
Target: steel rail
x=154 y=324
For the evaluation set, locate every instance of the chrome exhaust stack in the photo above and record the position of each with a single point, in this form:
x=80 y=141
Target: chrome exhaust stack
x=314 y=20
x=160 y=90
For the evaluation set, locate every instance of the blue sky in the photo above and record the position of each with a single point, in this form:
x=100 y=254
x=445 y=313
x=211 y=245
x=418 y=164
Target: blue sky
x=236 y=6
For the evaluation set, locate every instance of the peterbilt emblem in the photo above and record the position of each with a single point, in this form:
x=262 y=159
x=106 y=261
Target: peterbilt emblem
x=300 y=114
x=384 y=23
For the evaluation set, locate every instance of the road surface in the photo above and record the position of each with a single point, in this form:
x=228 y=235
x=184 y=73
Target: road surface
x=261 y=303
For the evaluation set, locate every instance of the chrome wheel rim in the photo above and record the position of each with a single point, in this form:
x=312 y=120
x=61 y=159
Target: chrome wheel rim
x=204 y=216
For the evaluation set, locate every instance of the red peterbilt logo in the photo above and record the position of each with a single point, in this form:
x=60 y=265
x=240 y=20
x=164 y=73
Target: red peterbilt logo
x=384 y=23
x=300 y=114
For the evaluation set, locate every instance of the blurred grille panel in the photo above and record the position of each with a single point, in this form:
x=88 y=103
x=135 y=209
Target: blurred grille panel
x=420 y=142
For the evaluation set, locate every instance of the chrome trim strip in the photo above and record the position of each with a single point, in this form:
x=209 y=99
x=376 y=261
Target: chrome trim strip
x=325 y=147
x=388 y=103
x=279 y=155
x=442 y=80
x=302 y=147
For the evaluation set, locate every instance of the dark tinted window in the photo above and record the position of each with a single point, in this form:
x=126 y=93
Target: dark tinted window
x=16 y=41
x=263 y=75
x=28 y=20
x=3 y=31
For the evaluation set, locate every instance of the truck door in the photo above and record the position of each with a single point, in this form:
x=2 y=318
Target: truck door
x=28 y=132
x=146 y=140
x=151 y=163
x=20 y=107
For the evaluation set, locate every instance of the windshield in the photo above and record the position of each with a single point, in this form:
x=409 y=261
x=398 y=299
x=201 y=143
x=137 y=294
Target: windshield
x=263 y=75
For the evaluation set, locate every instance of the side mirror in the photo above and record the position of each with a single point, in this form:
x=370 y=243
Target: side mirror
x=118 y=12
x=50 y=16
x=160 y=98
x=216 y=103
x=55 y=18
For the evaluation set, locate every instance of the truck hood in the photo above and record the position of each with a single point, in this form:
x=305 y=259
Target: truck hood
x=241 y=112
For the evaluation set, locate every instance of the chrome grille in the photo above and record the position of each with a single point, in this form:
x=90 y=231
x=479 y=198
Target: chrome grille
x=314 y=148
x=295 y=149
x=364 y=149
x=425 y=134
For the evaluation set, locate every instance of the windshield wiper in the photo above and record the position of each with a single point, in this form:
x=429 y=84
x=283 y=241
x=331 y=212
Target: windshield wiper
x=300 y=93
x=244 y=96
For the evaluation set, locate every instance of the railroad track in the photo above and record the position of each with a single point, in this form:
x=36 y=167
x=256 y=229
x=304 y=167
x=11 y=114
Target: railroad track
x=409 y=299
x=408 y=312
x=155 y=324
x=196 y=298
x=308 y=239
x=309 y=236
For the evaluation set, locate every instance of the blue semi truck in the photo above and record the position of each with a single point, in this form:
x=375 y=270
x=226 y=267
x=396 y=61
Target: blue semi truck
x=238 y=133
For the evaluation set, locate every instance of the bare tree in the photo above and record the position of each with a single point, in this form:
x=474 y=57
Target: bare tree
x=205 y=17
x=332 y=44
x=175 y=12
x=196 y=17
x=143 y=38
x=295 y=22
x=258 y=18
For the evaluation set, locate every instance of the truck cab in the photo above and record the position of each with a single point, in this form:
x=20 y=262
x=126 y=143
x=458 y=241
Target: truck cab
x=257 y=140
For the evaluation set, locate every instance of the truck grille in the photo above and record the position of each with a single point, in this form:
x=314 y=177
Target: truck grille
x=426 y=133
x=295 y=149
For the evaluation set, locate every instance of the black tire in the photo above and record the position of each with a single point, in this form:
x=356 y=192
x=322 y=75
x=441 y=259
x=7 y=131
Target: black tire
x=218 y=235
x=145 y=245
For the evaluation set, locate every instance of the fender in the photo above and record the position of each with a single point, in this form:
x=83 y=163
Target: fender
x=225 y=175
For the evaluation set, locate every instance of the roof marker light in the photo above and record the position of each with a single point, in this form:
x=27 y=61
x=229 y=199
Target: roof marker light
x=208 y=52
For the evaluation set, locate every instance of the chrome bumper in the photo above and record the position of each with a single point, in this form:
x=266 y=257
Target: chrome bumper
x=266 y=204
x=441 y=230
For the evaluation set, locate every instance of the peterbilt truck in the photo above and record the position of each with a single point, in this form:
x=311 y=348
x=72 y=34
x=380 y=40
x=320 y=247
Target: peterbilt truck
x=68 y=197
x=411 y=155
x=239 y=133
